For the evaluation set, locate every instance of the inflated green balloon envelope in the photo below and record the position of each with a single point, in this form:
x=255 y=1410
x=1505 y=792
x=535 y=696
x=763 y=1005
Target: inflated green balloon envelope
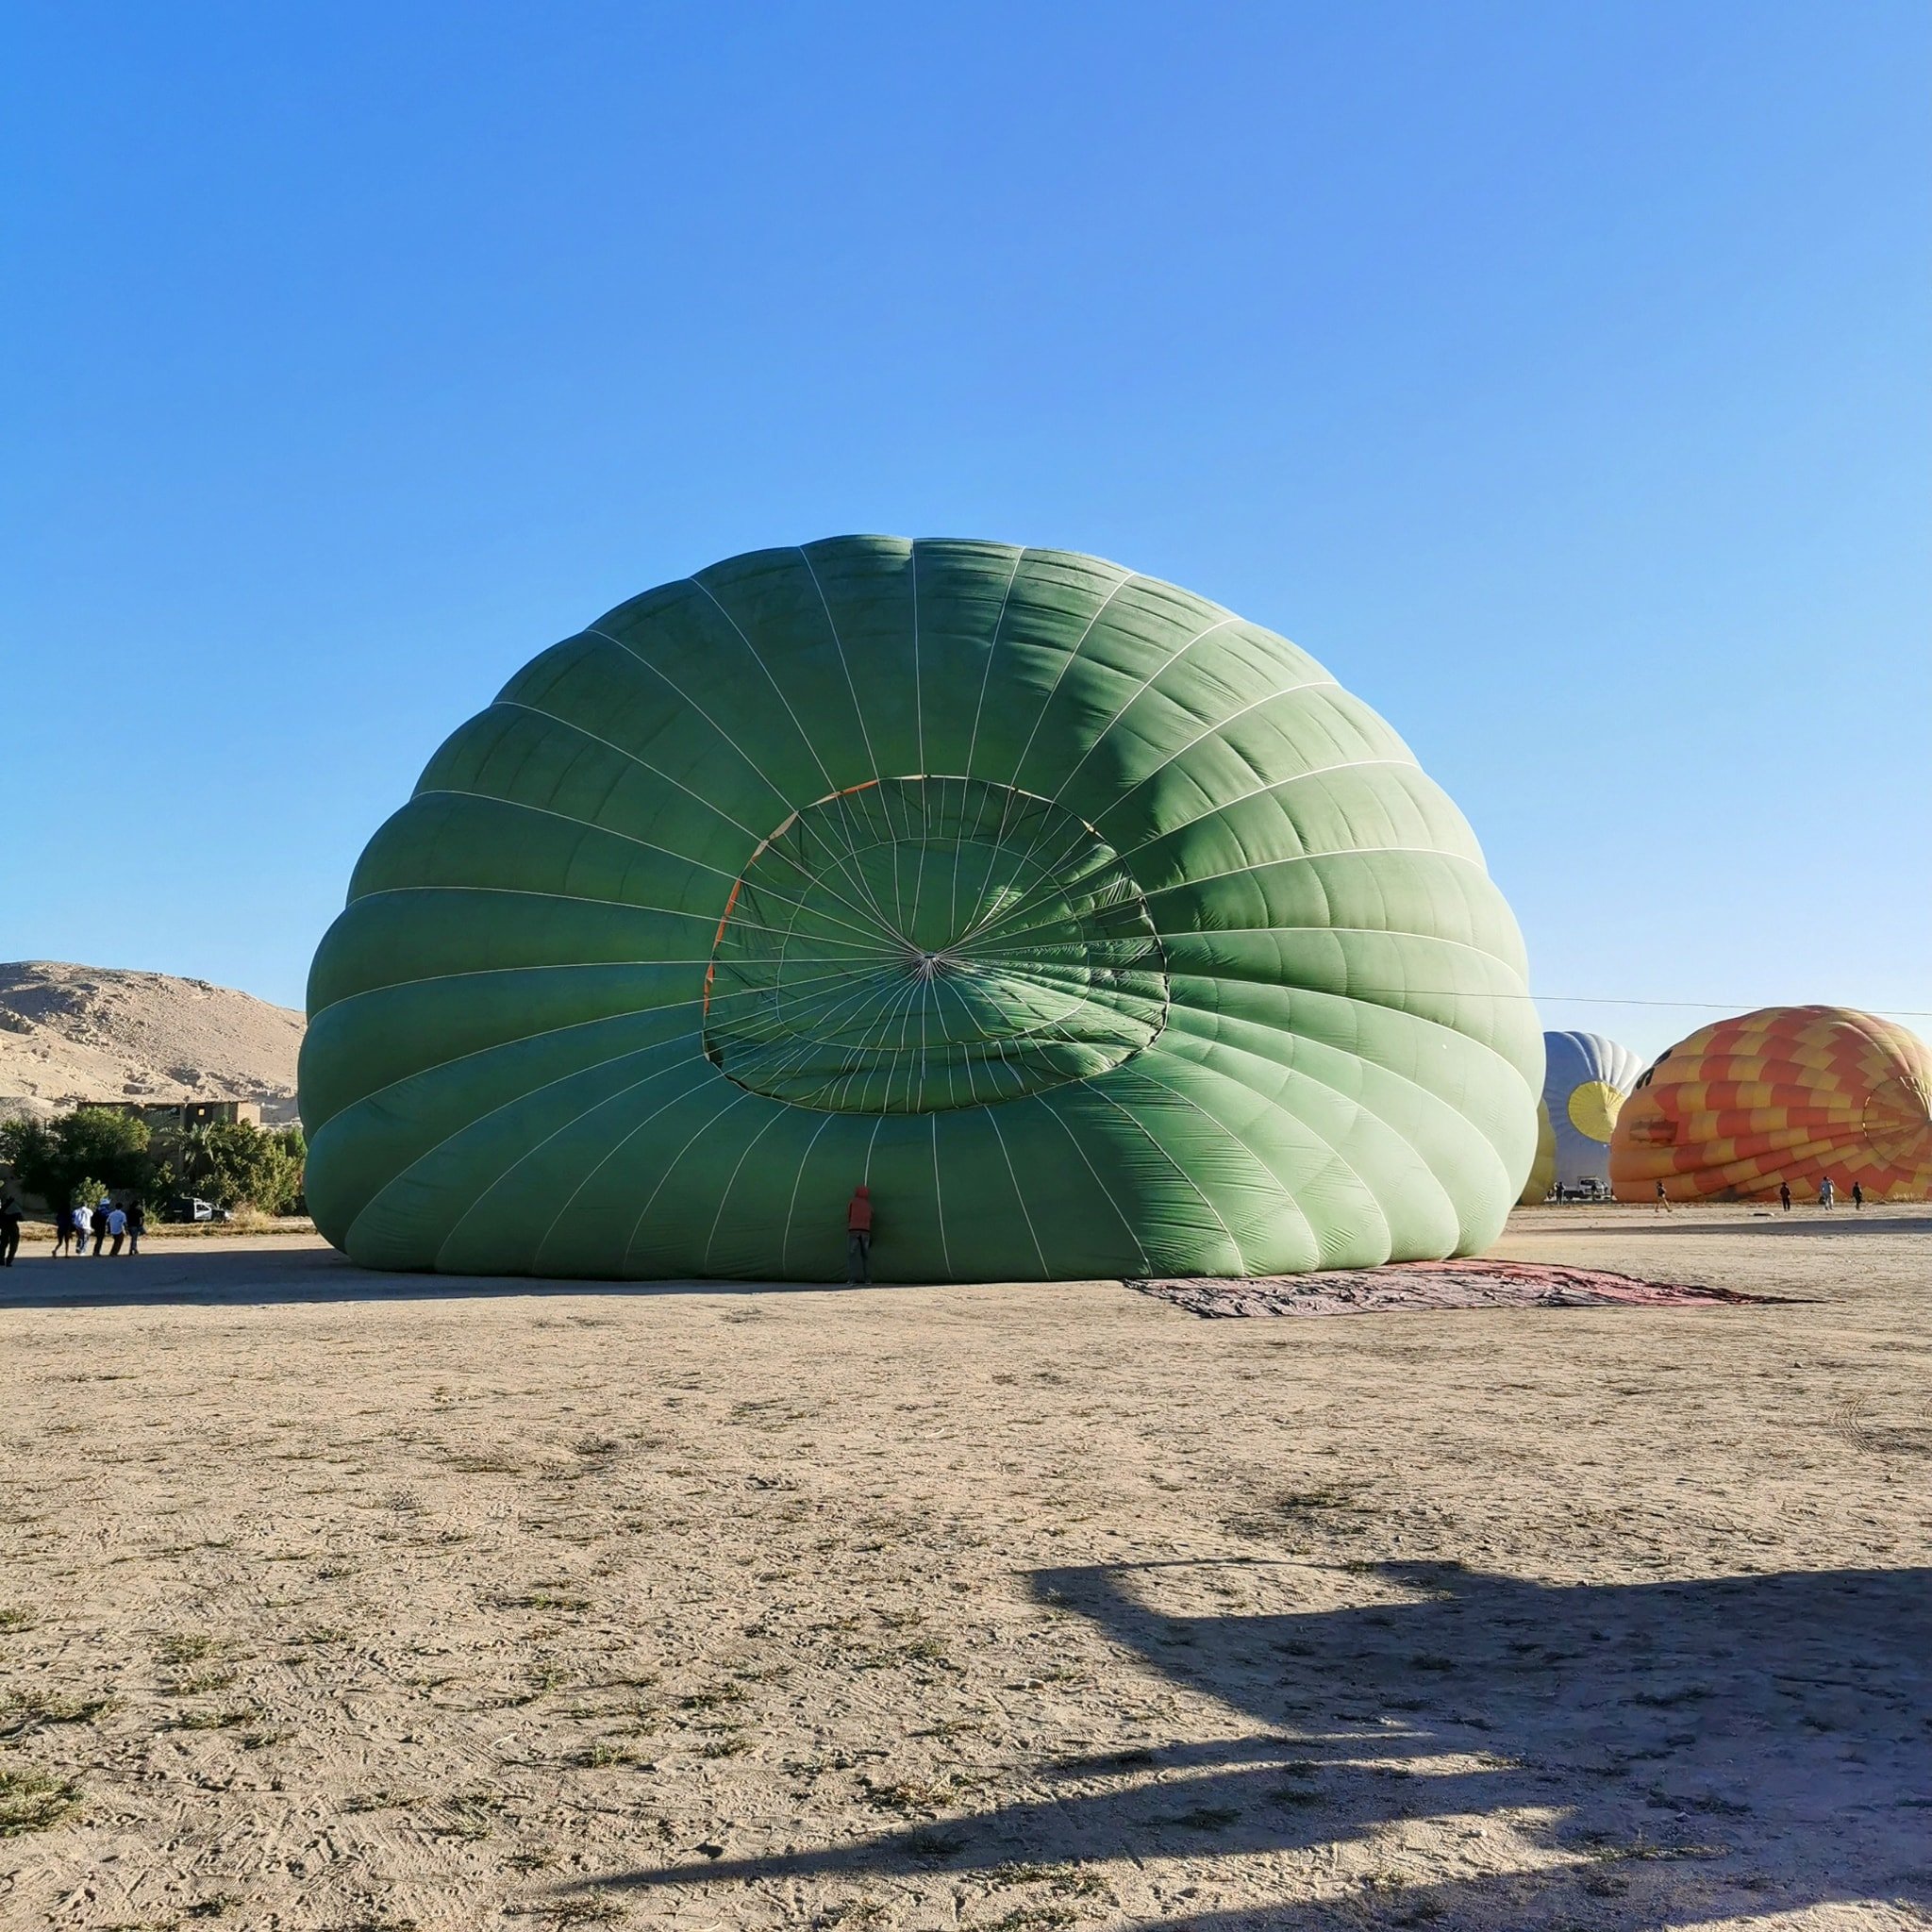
x=1095 y=929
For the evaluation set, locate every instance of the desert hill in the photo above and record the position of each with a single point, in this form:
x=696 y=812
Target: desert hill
x=70 y=1033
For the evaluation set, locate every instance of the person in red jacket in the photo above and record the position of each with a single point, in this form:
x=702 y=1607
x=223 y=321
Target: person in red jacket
x=859 y=1238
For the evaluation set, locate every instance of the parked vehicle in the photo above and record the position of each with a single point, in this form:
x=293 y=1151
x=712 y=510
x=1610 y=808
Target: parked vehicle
x=188 y=1208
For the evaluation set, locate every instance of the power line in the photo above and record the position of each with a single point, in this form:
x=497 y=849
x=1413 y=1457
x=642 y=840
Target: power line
x=1559 y=999
x=1585 y=999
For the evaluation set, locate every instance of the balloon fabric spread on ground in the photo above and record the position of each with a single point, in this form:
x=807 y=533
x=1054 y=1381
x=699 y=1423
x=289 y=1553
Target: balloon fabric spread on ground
x=1786 y=1094
x=1585 y=1079
x=1097 y=929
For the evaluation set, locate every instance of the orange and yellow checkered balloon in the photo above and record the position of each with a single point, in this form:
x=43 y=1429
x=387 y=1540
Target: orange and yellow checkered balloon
x=1788 y=1093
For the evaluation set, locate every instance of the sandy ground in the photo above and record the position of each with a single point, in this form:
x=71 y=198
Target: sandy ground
x=330 y=1602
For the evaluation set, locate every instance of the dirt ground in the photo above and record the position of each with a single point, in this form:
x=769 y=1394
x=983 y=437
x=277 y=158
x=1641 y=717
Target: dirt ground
x=340 y=1601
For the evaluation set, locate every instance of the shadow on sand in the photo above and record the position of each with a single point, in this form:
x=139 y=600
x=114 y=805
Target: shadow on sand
x=211 y=1272
x=1738 y=1745
x=1840 y=1221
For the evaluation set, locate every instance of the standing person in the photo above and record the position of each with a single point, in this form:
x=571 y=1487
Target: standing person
x=117 y=1228
x=98 y=1221
x=1825 y=1191
x=137 y=1224
x=859 y=1238
x=63 y=1228
x=79 y=1221
x=10 y=1230
x=1857 y=1194
x=1784 y=1194
x=1663 y=1201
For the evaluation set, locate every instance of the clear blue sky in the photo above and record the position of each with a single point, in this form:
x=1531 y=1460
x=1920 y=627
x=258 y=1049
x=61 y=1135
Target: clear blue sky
x=1556 y=372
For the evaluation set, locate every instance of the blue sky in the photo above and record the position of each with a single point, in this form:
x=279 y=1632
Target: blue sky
x=1558 y=373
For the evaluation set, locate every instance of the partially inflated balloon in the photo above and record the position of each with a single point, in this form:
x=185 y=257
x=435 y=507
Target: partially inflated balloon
x=1788 y=1094
x=1585 y=1080
x=1096 y=929
x=1542 y=1169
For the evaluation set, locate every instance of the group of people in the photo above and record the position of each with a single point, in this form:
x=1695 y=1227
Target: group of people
x=1828 y=1193
x=107 y=1224
x=114 y=1228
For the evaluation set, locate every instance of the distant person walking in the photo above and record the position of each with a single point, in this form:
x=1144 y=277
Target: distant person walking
x=79 y=1221
x=1857 y=1194
x=1662 y=1204
x=859 y=1238
x=1826 y=1193
x=10 y=1230
x=137 y=1226
x=98 y=1221
x=117 y=1228
x=1784 y=1194
x=63 y=1228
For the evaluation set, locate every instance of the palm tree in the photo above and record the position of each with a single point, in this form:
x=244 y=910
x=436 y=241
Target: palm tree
x=198 y=1162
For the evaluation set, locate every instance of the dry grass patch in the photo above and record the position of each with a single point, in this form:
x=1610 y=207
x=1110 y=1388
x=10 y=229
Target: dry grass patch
x=212 y=1720
x=197 y=1684
x=912 y=1794
x=606 y=1755
x=30 y=1801
x=596 y=1909
x=23 y=1712
x=539 y=1596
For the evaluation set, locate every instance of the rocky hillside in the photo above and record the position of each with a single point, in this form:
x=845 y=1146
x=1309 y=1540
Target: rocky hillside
x=71 y=1033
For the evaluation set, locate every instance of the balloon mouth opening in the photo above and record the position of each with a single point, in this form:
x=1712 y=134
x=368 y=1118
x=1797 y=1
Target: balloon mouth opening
x=1898 y=1123
x=919 y=943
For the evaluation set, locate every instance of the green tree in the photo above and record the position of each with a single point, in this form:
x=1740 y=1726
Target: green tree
x=93 y=1144
x=232 y=1164
x=76 y=1157
x=195 y=1158
x=276 y=1179
x=29 y=1147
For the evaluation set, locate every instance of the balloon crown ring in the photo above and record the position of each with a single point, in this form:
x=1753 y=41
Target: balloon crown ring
x=930 y=941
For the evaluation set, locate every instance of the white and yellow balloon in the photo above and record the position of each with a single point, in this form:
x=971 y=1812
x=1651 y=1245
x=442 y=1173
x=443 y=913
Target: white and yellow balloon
x=1586 y=1080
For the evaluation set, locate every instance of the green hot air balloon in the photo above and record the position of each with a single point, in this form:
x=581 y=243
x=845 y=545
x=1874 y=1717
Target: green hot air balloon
x=1096 y=929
